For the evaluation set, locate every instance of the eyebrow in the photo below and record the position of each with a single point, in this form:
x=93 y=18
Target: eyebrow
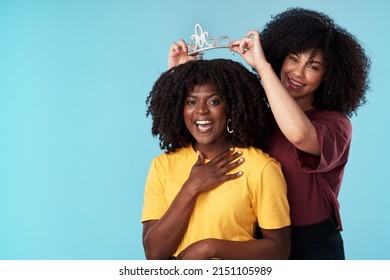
x=191 y=94
x=310 y=61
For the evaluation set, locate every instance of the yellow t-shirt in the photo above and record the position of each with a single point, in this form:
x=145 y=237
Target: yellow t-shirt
x=231 y=210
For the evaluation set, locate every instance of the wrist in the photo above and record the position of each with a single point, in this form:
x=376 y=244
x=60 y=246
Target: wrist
x=263 y=67
x=210 y=246
x=171 y=64
x=190 y=190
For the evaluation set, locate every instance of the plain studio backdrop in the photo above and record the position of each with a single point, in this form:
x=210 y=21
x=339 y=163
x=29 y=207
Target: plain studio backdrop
x=75 y=144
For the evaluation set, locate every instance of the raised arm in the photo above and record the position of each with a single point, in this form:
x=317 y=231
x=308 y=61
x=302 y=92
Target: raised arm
x=289 y=115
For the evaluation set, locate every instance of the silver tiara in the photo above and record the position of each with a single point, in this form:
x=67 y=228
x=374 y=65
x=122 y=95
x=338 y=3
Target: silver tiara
x=200 y=42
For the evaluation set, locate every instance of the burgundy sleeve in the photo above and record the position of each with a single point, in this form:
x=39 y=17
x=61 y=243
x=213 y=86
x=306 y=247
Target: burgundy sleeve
x=334 y=135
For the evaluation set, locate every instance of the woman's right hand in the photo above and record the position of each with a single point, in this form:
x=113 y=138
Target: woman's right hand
x=178 y=54
x=206 y=176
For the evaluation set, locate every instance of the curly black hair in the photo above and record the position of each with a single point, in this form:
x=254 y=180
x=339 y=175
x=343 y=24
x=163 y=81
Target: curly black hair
x=238 y=87
x=347 y=66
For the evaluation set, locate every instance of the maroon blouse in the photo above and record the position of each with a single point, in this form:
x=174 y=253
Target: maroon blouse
x=313 y=182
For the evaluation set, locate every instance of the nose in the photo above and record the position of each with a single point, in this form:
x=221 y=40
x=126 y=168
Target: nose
x=202 y=108
x=300 y=70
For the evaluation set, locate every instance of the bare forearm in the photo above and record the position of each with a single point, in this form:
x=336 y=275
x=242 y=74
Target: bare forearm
x=290 y=117
x=246 y=250
x=163 y=237
x=275 y=245
x=285 y=109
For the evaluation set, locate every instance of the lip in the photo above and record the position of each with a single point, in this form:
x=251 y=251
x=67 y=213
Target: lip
x=294 y=84
x=203 y=126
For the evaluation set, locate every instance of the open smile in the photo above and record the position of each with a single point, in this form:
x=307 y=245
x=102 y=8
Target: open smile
x=204 y=125
x=294 y=84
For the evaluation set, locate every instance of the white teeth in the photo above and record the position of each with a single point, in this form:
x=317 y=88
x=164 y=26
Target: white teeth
x=203 y=122
x=296 y=83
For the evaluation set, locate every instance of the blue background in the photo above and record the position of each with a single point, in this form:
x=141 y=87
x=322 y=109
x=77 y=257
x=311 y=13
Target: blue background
x=75 y=145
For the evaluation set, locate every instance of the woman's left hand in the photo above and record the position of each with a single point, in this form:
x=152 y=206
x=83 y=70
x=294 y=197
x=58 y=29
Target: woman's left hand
x=250 y=49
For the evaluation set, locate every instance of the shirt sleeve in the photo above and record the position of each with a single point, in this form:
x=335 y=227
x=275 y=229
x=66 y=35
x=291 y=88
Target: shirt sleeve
x=272 y=206
x=334 y=136
x=155 y=204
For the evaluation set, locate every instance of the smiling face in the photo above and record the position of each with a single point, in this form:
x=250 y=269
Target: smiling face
x=205 y=118
x=301 y=75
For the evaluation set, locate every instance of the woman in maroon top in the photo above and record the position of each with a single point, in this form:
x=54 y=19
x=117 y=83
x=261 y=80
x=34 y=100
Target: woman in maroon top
x=315 y=75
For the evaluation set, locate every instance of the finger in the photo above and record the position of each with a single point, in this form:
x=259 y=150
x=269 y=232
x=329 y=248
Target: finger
x=175 y=48
x=223 y=161
x=191 y=57
x=233 y=176
x=222 y=155
x=232 y=165
x=255 y=36
x=235 y=46
x=252 y=33
x=245 y=44
x=183 y=45
x=238 y=45
x=234 y=43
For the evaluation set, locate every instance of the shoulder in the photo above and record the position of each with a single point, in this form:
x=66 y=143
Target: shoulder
x=331 y=120
x=263 y=172
x=258 y=158
x=178 y=155
x=324 y=115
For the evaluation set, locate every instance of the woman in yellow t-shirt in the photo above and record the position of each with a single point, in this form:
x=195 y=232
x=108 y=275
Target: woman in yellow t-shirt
x=213 y=186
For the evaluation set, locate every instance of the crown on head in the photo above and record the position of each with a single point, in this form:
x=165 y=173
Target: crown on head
x=200 y=42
